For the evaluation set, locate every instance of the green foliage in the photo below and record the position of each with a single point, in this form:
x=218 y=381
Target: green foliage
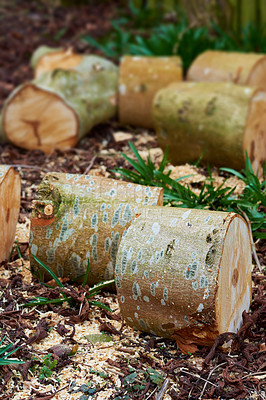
x=136 y=381
x=5 y=354
x=251 y=204
x=143 y=32
x=38 y=301
x=48 y=364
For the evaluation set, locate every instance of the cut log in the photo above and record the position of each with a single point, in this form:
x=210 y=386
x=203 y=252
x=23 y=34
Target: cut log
x=46 y=59
x=139 y=80
x=185 y=274
x=60 y=107
x=218 y=120
x=220 y=66
x=77 y=218
x=10 y=188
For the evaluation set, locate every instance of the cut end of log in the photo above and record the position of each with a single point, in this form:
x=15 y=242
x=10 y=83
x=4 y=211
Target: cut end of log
x=42 y=118
x=185 y=274
x=9 y=208
x=257 y=76
x=234 y=282
x=63 y=59
x=254 y=141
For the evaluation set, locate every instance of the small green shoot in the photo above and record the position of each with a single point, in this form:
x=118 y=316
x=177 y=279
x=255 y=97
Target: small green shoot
x=40 y=301
x=4 y=354
x=49 y=364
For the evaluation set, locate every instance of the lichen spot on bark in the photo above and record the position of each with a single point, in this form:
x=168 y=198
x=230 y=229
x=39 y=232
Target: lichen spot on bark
x=134 y=267
x=76 y=206
x=136 y=290
x=102 y=207
x=165 y=293
x=153 y=289
x=200 y=307
x=116 y=215
x=34 y=249
x=203 y=282
x=105 y=217
x=94 y=220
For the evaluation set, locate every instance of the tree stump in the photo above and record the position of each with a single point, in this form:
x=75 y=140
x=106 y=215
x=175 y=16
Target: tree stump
x=77 y=218
x=220 y=66
x=10 y=188
x=46 y=59
x=219 y=121
x=185 y=274
x=61 y=106
x=139 y=80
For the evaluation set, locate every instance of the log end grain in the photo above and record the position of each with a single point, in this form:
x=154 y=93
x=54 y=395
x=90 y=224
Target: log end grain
x=139 y=80
x=10 y=188
x=38 y=118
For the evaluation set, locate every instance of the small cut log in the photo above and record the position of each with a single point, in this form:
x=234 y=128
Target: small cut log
x=220 y=66
x=139 y=80
x=185 y=274
x=77 y=218
x=60 y=107
x=219 y=121
x=10 y=188
x=46 y=59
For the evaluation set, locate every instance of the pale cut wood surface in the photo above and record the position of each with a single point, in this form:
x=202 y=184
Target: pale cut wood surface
x=10 y=188
x=139 y=80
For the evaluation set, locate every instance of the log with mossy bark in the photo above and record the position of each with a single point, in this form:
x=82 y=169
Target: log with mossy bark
x=45 y=59
x=139 y=80
x=60 y=107
x=185 y=274
x=81 y=218
x=221 y=66
x=219 y=121
x=10 y=188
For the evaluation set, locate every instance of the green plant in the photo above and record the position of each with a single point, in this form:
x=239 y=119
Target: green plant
x=252 y=203
x=48 y=364
x=5 y=354
x=91 y=292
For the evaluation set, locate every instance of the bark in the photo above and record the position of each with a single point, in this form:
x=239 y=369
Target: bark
x=10 y=188
x=139 y=80
x=185 y=274
x=77 y=218
x=221 y=66
x=219 y=120
x=46 y=59
x=2 y=135
x=60 y=107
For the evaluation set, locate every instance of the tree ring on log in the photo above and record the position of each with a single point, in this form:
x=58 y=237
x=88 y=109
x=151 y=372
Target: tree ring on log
x=42 y=118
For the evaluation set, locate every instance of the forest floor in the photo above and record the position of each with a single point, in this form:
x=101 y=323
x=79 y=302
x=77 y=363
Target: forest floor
x=131 y=365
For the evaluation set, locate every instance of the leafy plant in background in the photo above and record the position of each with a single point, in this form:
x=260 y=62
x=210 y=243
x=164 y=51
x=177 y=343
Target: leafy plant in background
x=251 y=204
x=130 y=35
x=5 y=354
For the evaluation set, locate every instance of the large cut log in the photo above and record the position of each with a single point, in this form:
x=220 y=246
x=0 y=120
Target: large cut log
x=218 y=120
x=46 y=59
x=139 y=80
x=221 y=66
x=60 y=107
x=10 y=188
x=77 y=218
x=185 y=274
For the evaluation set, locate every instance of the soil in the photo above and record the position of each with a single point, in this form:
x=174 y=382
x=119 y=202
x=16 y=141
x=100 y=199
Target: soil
x=121 y=363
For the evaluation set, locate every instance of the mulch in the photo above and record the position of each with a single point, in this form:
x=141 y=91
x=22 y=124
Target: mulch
x=238 y=372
